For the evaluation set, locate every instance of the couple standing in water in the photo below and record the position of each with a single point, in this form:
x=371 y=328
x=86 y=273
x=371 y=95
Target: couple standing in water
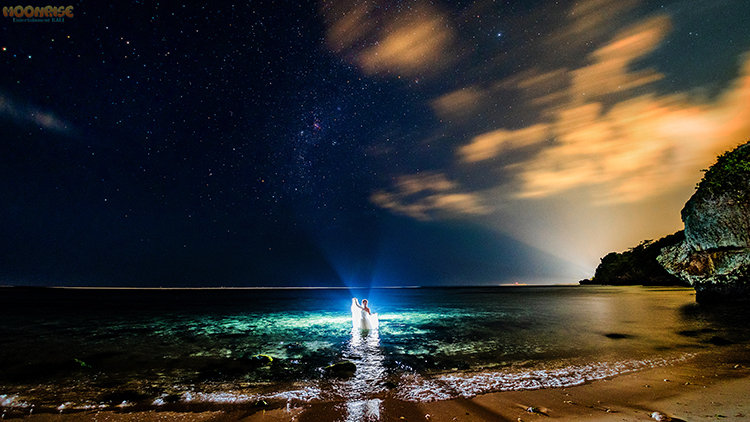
x=362 y=317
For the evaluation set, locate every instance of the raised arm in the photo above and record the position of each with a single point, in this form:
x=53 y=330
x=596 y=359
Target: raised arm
x=355 y=302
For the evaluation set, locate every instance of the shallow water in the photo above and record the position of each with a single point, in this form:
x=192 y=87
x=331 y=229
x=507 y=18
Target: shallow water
x=96 y=348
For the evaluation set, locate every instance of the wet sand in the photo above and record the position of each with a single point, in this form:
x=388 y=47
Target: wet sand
x=714 y=385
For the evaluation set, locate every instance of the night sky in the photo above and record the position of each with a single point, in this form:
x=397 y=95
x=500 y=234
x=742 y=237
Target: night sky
x=343 y=143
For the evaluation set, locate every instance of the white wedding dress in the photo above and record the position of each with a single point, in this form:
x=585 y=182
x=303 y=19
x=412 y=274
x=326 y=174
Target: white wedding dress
x=360 y=317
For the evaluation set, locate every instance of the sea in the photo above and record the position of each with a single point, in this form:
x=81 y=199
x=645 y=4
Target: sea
x=84 y=349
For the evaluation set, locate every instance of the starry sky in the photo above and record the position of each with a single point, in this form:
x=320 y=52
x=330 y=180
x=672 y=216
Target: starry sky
x=358 y=143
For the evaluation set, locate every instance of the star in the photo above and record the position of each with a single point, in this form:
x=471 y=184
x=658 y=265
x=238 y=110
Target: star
x=263 y=118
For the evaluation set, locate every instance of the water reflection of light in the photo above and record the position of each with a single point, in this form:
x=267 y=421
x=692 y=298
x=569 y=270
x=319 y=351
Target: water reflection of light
x=364 y=350
x=363 y=410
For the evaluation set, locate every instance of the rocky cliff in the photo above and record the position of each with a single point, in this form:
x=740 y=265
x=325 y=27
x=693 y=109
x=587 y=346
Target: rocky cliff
x=637 y=266
x=715 y=255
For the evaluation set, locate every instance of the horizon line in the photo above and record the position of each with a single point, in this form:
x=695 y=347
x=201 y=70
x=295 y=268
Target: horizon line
x=281 y=287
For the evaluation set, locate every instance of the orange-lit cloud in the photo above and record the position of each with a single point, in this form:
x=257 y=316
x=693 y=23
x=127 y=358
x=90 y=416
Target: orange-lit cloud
x=589 y=20
x=412 y=47
x=610 y=72
x=422 y=196
x=413 y=40
x=347 y=22
x=491 y=144
x=640 y=147
x=625 y=151
x=458 y=104
x=600 y=127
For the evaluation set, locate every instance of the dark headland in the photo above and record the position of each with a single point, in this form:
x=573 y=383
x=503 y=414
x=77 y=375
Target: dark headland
x=711 y=254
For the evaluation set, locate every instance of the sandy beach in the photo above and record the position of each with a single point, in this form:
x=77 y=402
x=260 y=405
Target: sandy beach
x=713 y=385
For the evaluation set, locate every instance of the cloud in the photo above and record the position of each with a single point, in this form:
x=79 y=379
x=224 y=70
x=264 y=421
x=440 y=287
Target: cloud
x=608 y=131
x=381 y=38
x=640 y=147
x=30 y=115
x=590 y=21
x=347 y=22
x=412 y=46
x=610 y=72
x=458 y=104
x=427 y=195
x=492 y=144
x=586 y=116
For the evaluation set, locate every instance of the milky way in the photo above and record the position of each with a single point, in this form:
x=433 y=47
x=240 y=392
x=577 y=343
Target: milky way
x=368 y=143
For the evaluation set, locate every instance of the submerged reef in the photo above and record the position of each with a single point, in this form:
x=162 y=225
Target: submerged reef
x=637 y=266
x=714 y=257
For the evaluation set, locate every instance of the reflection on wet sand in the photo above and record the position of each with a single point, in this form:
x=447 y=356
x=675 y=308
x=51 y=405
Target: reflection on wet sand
x=363 y=410
x=368 y=381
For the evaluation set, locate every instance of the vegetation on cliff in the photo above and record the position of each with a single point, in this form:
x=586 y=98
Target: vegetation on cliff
x=637 y=266
x=714 y=258
x=716 y=224
x=729 y=175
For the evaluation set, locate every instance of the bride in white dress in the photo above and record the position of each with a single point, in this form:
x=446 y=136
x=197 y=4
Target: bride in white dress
x=362 y=317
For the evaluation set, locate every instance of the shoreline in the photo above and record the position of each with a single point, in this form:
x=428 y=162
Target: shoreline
x=711 y=385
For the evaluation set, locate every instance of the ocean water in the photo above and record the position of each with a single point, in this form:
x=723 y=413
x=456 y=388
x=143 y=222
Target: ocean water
x=79 y=349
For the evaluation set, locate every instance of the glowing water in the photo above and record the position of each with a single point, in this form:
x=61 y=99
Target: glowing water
x=175 y=347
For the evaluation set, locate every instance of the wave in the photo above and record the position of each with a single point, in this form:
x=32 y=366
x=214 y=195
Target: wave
x=450 y=386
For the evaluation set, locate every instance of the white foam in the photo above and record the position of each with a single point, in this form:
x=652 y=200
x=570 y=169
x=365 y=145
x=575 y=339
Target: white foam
x=449 y=386
x=221 y=397
x=12 y=401
x=306 y=394
x=64 y=406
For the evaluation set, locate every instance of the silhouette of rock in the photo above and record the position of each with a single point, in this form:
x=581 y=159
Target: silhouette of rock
x=714 y=258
